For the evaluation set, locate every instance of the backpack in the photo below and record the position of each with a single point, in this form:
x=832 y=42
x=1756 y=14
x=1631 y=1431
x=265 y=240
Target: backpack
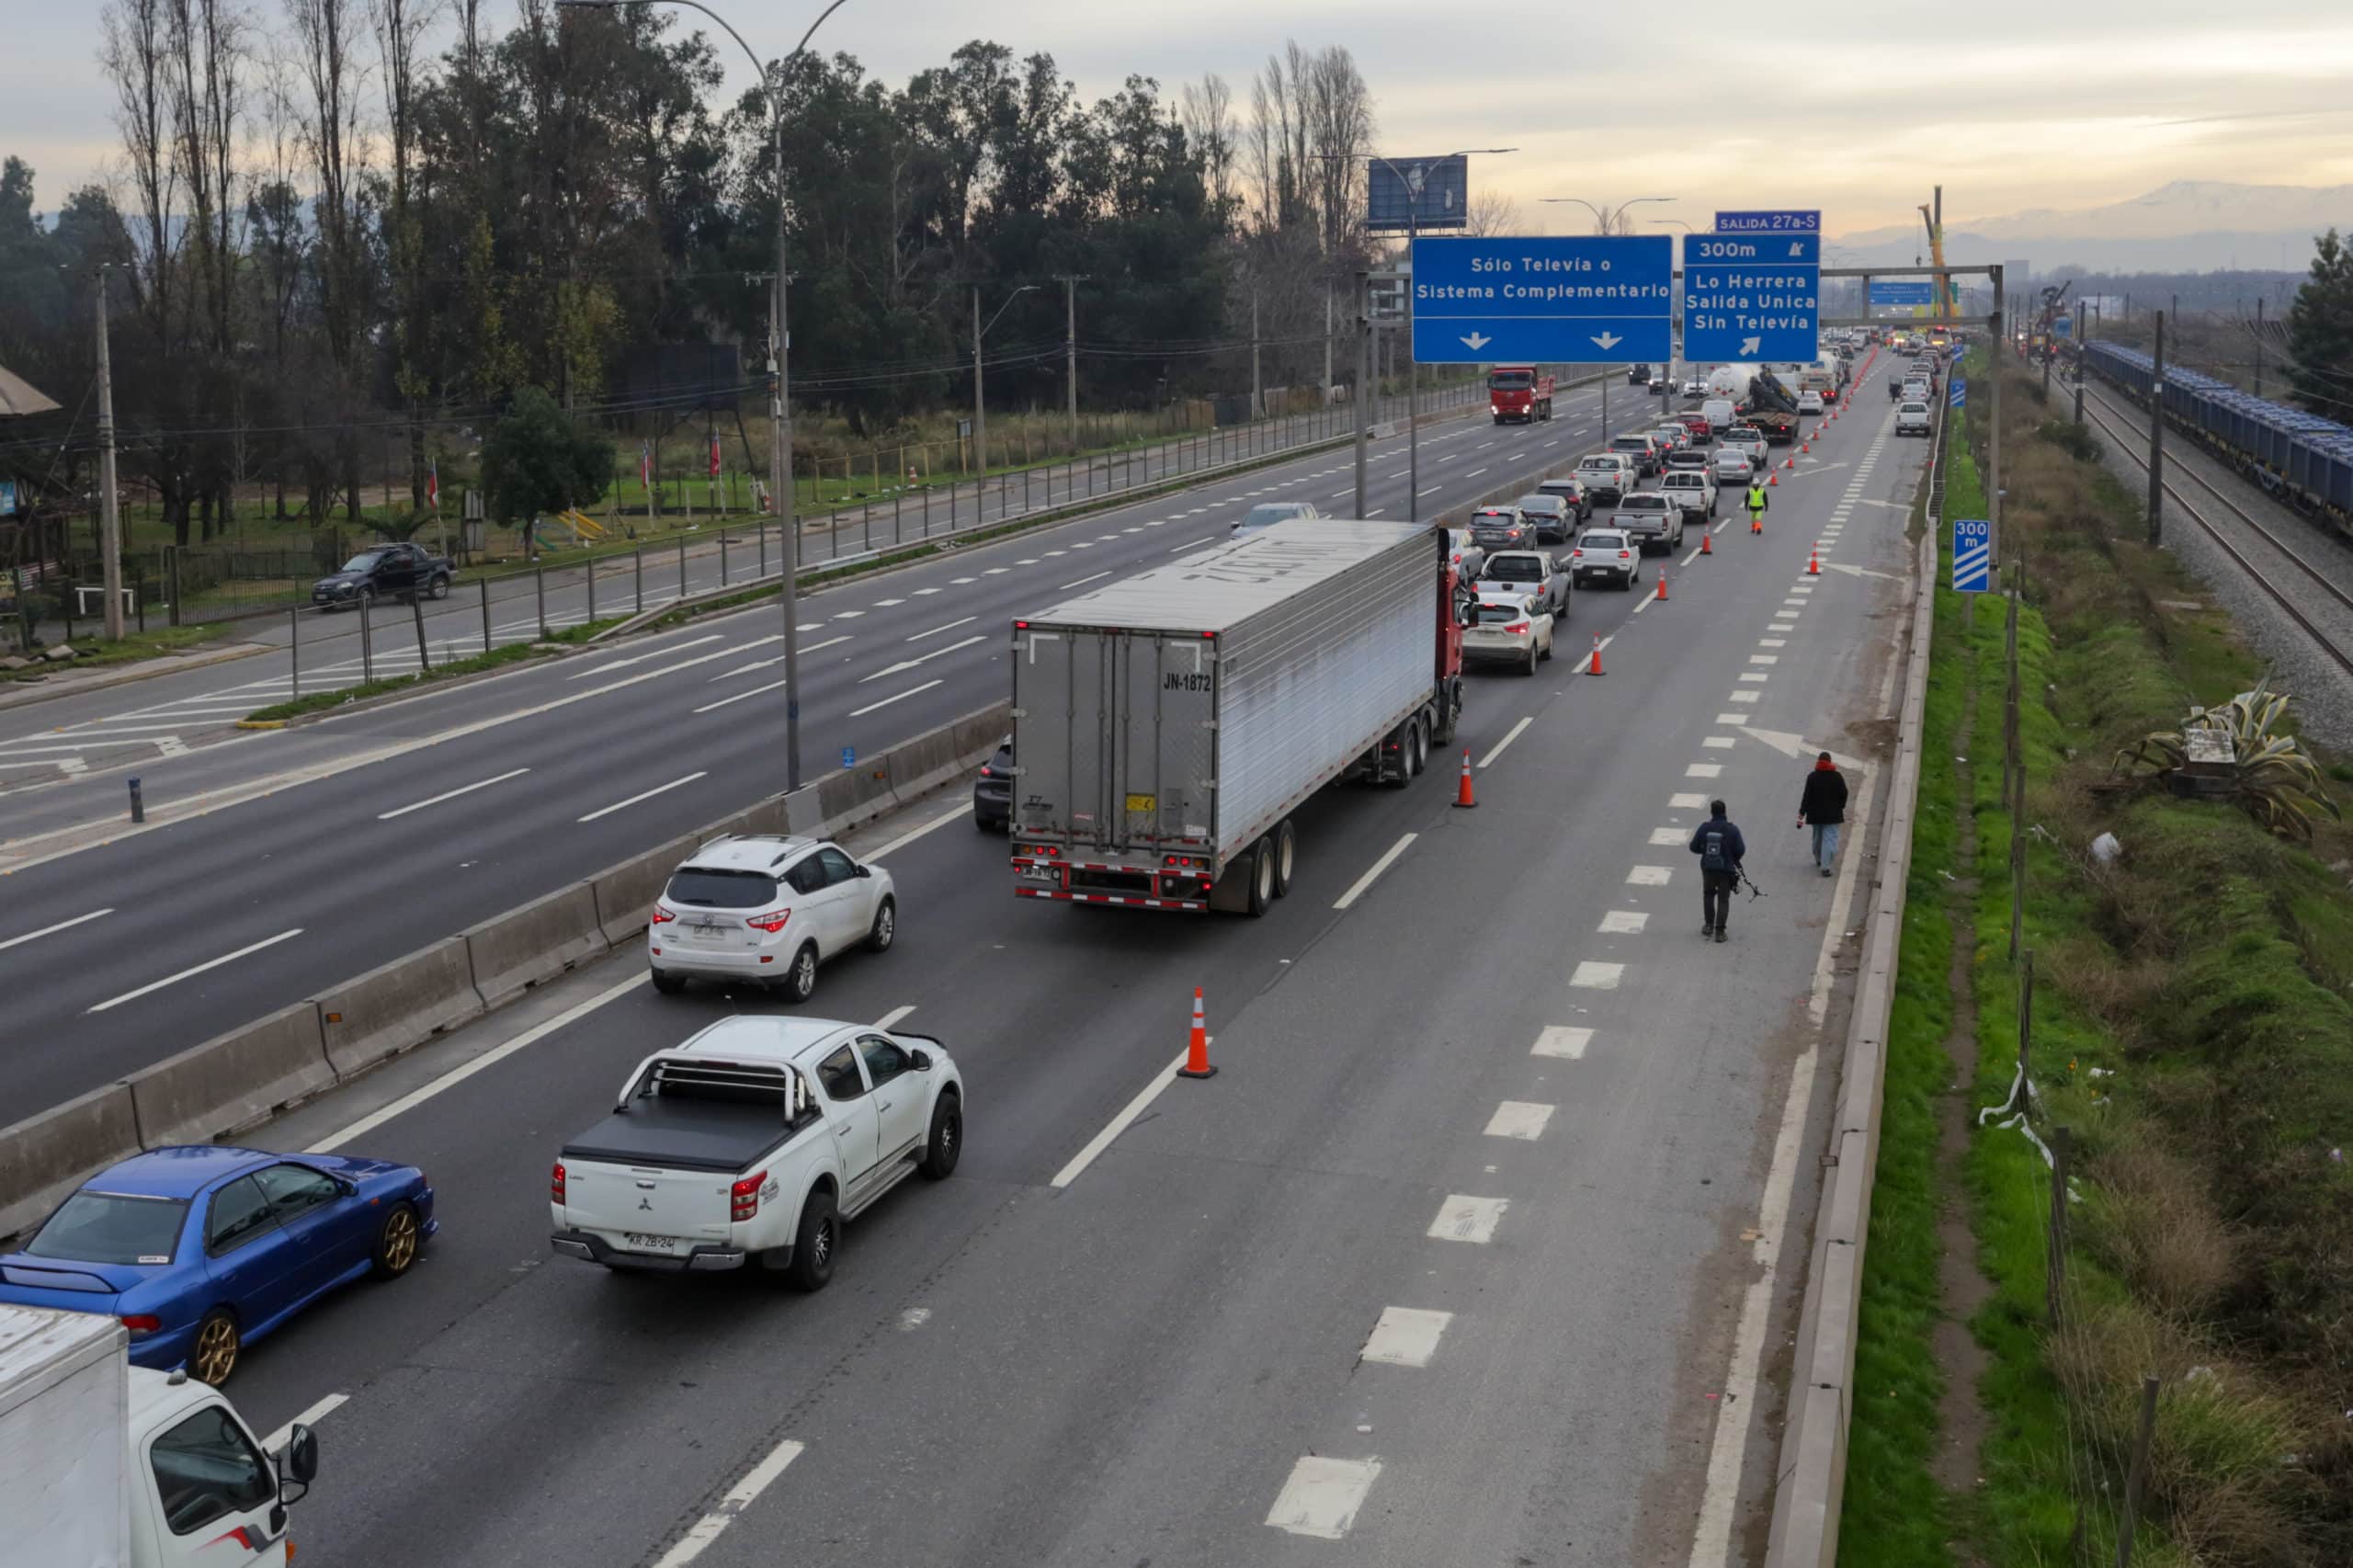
x=1711 y=851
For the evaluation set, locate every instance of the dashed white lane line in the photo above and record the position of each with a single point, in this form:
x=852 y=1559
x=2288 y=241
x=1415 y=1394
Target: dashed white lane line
x=1623 y=923
x=936 y=631
x=1704 y=771
x=1341 y=495
x=1523 y=1120
x=1562 y=1041
x=925 y=593
x=892 y=604
x=1772 y=642
x=1687 y=803
x=740 y=1496
x=1488 y=760
x=1649 y=876
x=1405 y=1336
x=893 y=1018
x=1465 y=1218
x=743 y=696
x=1193 y=544
x=1120 y=1123
x=1321 y=1497
x=1719 y=743
x=316 y=1410
x=1082 y=582
x=1364 y=883
x=190 y=972
x=599 y=669
x=678 y=783
x=940 y=653
x=1745 y=697
x=1592 y=975
x=900 y=696
x=1758 y=675
x=451 y=794
x=1665 y=837
x=53 y=929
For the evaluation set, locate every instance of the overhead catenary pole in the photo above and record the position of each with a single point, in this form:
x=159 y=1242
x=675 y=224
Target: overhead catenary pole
x=2158 y=438
x=110 y=505
x=2258 y=345
x=1364 y=379
x=980 y=403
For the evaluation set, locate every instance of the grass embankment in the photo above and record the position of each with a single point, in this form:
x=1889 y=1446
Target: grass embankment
x=496 y=658
x=94 y=652
x=2191 y=1029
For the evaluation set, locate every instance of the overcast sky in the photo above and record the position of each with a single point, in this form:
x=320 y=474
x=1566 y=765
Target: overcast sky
x=1856 y=106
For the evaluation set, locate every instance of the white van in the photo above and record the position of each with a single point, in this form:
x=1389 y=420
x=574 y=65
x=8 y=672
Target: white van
x=1721 y=417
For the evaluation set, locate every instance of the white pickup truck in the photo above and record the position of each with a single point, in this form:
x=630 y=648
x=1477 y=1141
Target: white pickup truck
x=1696 y=488
x=753 y=1142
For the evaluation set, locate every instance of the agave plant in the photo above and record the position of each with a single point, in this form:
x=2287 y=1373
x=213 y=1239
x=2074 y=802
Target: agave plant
x=2271 y=776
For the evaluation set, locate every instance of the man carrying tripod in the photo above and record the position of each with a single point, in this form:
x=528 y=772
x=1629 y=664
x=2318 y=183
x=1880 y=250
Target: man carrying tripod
x=1721 y=850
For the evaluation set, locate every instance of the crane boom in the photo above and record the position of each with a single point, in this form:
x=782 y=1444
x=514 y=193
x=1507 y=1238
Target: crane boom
x=1946 y=303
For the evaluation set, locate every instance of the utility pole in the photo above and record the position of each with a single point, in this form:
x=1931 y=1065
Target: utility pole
x=2157 y=439
x=109 y=509
x=2258 y=345
x=1326 y=391
x=2080 y=365
x=1364 y=379
x=1257 y=407
x=1994 y=442
x=1070 y=282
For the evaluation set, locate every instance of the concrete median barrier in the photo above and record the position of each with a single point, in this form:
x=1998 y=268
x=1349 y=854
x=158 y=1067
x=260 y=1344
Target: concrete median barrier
x=44 y=1158
x=982 y=731
x=398 y=1005
x=625 y=894
x=924 y=764
x=537 y=942
x=854 y=795
x=232 y=1080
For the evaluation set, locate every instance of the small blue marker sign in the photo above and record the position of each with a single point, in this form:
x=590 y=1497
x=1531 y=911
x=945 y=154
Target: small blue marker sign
x=849 y=756
x=1972 y=554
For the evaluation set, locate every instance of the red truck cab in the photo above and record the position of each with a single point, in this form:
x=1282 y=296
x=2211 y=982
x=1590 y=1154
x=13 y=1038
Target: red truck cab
x=1517 y=392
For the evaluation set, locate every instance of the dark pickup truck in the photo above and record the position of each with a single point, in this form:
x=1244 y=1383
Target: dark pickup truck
x=385 y=572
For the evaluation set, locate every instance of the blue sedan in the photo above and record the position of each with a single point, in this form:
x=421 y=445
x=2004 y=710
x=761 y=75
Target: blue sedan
x=202 y=1249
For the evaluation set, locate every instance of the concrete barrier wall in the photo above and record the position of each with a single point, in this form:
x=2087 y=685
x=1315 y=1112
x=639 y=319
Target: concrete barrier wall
x=232 y=1080
x=524 y=947
x=399 y=1006
x=44 y=1158
x=625 y=894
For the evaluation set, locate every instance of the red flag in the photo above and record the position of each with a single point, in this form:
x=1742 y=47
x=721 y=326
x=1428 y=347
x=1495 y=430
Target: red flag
x=714 y=457
x=432 y=484
x=646 y=466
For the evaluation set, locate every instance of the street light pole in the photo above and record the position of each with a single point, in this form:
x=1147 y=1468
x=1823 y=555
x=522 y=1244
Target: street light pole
x=109 y=507
x=779 y=376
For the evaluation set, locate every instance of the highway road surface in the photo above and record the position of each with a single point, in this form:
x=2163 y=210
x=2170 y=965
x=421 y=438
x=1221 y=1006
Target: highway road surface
x=1478 y=1250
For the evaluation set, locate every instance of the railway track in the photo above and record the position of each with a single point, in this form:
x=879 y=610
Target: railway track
x=2096 y=398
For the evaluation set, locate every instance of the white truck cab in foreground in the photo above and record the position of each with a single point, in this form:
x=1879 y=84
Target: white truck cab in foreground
x=108 y=1465
x=753 y=1142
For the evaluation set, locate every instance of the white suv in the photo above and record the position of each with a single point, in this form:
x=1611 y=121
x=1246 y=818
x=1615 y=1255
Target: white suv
x=1912 y=419
x=767 y=910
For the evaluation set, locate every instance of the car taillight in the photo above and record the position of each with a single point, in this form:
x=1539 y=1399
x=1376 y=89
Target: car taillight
x=1516 y=626
x=556 y=1183
x=772 y=922
x=985 y=772
x=663 y=917
x=143 y=1322
x=743 y=1198
x=1576 y=555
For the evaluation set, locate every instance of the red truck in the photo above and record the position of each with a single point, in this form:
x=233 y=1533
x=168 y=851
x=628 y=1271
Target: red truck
x=1517 y=392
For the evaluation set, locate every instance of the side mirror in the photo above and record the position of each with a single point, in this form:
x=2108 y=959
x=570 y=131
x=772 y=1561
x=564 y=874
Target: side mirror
x=303 y=1454
x=920 y=1059
x=865 y=872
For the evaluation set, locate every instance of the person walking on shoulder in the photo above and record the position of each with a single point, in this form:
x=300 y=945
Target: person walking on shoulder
x=1823 y=804
x=1721 y=850
x=1757 y=502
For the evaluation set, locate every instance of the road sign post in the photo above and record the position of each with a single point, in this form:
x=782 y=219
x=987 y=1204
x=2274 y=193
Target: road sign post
x=1973 y=555
x=1586 y=299
x=1753 y=289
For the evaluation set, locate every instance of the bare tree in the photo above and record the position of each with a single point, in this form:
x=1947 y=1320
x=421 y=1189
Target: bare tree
x=399 y=27
x=326 y=38
x=136 y=53
x=1206 y=110
x=1340 y=120
x=1491 y=212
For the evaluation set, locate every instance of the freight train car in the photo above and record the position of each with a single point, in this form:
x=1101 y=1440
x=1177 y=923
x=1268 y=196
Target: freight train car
x=2301 y=459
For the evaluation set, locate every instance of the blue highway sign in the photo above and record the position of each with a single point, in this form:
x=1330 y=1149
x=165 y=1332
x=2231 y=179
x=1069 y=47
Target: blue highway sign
x=1411 y=194
x=1586 y=298
x=1769 y=250
x=1901 y=294
x=1960 y=396
x=849 y=756
x=1973 y=555
x=1767 y=310
x=1769 y=222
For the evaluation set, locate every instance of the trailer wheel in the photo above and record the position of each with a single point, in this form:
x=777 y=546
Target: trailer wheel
x=1286 y=856
x=1420 y=747
x=1449 y=709
x=1262 y=877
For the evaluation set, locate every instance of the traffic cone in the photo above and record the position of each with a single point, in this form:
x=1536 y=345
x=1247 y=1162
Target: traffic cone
x=1662 y=585
x=1705 y=548
x=1197 y=1045
x=1595 y=668
x=1774 y=482
x=1813 y=561
x=1462 y=796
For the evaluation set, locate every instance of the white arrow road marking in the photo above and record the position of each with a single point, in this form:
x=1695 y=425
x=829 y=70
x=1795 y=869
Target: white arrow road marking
x=1796 y=747
x=1859 y=571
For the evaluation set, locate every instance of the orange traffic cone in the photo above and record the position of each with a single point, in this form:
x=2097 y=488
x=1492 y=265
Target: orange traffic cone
x=1813 y=561
x=1705 y=548
x=1462 y=796
x=1197 y=1045
x=1662 y=585
x=1595 y=668
x=1774 y=482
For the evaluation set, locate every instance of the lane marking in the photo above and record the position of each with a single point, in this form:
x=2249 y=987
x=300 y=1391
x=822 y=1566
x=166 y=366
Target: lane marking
x=316 y=1411
x=1118 y=1124
x=905 y=665
x=1562 y=1041
x=1365 y=881
x=742 y=695
x=1488 y=760
x=1523 y=1120
x=1096 y=577
x=913 y=834
x=910 y=691
x=1734 y=718
x=645 y=795
x=1758 y=675
x=741 y=1495
x=450 y=794
x=893 y=1016
x=936 y=631
x=1193 y=544
x=1594 y=976
x=1772 y=642
x=1321 y=1497
x=1719 y=743
x=771 y=663
x=1666 y=837
x=1704 y=771
x=1405 y=1336
x=610 y=664
x=1681 y=803
x=1623 y=923
x=199 y=969
x=1746 y=696
x=1466 y=1219
x=1649 y=876
x=488 y=1059
x=50 y=930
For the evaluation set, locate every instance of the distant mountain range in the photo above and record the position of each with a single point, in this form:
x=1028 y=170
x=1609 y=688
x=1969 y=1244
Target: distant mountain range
x=2188 y=225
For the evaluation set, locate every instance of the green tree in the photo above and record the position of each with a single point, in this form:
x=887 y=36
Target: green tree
x=537 y=461
x=2320 y=333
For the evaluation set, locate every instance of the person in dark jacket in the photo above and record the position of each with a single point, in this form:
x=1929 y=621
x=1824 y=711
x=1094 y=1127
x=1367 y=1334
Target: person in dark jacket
x=1823 y=804
x=1721 y=850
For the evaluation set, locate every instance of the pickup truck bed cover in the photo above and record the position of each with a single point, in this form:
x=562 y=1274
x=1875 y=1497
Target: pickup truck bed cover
x=684 y=1134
